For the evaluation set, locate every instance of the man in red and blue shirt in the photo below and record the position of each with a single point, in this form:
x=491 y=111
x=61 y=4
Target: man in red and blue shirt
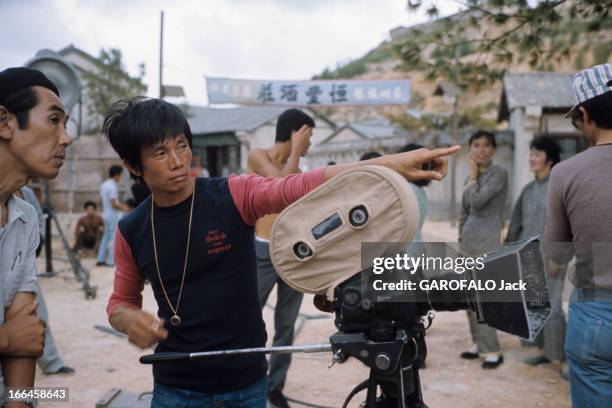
x=193 y=240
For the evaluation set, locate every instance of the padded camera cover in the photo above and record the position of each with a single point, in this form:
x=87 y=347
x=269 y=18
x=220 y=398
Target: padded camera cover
x=317 y=227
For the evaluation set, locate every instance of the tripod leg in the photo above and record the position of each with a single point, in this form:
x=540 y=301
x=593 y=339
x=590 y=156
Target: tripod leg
x=372 y=388
x=416 y=398
x=80 y=273
x=48 y=260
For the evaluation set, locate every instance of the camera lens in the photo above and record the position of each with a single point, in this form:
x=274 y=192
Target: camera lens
x=358 y=216
x=302 y=250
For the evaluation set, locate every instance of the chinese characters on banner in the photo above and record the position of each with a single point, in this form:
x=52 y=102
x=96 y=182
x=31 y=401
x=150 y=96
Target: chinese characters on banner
x=308 y=93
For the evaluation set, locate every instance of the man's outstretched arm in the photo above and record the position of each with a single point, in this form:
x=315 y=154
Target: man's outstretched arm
x=257 y=196
x=422 y=164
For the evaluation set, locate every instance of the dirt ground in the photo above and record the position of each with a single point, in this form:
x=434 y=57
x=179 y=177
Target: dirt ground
x=104 y=361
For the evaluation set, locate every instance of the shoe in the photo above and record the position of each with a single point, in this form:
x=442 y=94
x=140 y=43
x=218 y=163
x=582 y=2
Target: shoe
x=277 y=399
x=536 y=360
x=105 y=264
x=469 y=355
x=488 y=365
x=62 y=370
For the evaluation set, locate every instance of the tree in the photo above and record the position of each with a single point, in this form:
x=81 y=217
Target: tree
x=474 y=48
x=109 y=82
x=427 y=122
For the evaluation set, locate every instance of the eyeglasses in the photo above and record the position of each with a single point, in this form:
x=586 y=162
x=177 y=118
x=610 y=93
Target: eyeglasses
x=576 y=118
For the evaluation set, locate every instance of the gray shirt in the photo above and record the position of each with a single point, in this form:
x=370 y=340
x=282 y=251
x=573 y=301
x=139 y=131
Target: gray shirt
x=30 y=198
x=17 y=256
x=580 y=213
x=529 y=214
x=417 y=247
x=482 y=205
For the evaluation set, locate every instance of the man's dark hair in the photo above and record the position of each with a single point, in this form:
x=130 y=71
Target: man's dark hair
x=548 y=145
x=114 y=170
x=20 y=103
x=408 y=148
x=135 y=123
x=290 y=121
x=486 y=134
x=90 y=204
x=369 y=155
x=599 y=109
x=130 y=202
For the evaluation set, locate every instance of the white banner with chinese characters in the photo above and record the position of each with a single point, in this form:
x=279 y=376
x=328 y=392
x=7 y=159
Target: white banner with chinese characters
x=308 y=93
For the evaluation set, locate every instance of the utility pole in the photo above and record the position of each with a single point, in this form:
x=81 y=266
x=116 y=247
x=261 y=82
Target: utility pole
x=161 y=56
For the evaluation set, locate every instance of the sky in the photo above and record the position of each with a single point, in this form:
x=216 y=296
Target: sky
x=247 y=39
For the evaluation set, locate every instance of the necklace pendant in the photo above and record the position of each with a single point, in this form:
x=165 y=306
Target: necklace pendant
x=175 y=320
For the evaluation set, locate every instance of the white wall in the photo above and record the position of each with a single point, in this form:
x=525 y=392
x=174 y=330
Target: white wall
x=345 y=135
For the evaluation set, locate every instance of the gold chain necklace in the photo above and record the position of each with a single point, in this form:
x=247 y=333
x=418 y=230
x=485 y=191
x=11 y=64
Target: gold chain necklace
x=175 y=320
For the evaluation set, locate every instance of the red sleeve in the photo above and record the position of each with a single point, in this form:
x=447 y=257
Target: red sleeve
x=129 y=283
x=256 y=196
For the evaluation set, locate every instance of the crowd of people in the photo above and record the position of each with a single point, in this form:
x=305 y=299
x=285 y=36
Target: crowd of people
x=227 y=272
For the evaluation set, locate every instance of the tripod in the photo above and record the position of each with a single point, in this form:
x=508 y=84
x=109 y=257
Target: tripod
x=393 y=366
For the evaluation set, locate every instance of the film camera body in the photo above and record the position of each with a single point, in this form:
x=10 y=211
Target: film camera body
x=317 y=246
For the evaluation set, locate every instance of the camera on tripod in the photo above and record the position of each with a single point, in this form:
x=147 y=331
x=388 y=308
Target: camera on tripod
x=326 y=243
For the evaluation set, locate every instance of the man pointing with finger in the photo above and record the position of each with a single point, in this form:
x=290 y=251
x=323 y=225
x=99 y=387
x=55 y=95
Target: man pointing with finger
x=193 y=239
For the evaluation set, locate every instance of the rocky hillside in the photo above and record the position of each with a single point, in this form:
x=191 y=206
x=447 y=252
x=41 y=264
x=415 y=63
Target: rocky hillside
x=382 y=63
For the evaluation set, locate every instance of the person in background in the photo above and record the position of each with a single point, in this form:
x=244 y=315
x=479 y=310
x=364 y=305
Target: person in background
x=528 y=220
x=140 y=192
x=578 y=223
x=417 y=247
x=50 y=362
x=131 y=204
x=89 y=229
x=28 y=195
x=293 y=132
x=369 y=155
x=111 y=213
x=480 y=225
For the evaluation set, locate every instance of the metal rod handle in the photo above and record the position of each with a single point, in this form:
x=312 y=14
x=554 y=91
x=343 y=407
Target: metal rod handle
x=307 y=348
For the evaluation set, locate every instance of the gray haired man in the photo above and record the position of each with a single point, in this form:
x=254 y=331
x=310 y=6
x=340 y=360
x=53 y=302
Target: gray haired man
x=33 y=143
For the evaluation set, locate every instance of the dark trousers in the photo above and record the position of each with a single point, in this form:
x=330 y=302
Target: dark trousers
x=87 y=241
x=288 y=304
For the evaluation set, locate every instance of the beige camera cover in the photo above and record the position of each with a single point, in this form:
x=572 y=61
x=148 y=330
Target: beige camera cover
x=393 y=213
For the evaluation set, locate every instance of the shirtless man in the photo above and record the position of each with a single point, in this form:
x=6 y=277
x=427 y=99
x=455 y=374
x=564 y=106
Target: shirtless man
x=89 y=229
x=293 y=132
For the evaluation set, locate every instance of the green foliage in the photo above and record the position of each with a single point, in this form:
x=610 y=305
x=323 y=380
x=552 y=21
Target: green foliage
x=517 y=31
x=359 y=66
x=110 y=82
x=602 y=52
